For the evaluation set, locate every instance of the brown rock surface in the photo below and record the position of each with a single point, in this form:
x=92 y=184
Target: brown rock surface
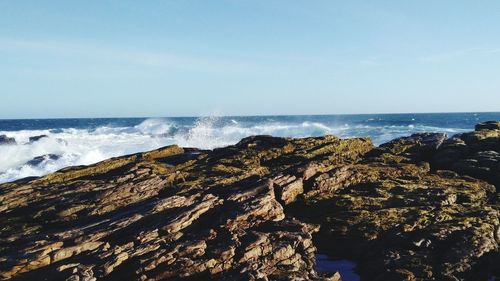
x=259 y=209
x=476 y=154
x=401 y=219
x=172 y=213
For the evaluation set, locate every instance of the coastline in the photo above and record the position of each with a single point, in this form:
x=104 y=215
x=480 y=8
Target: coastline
x=40 y=147
x=422 y=207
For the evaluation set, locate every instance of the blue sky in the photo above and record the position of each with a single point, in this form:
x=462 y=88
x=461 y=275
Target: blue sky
x=236 y=57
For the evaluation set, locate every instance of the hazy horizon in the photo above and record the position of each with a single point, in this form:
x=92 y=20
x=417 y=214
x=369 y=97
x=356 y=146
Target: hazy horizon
x=253 y=115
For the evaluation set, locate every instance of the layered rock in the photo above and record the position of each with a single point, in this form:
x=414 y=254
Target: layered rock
x=259 y=209
x=401 y=218
x=476 y=154
x=401 y=222
x=172 y=213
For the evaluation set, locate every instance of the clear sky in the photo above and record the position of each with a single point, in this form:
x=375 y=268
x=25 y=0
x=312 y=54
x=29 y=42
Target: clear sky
x=105 y=58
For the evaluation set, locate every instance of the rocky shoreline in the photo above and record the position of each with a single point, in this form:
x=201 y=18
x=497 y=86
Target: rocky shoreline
x=423 y=207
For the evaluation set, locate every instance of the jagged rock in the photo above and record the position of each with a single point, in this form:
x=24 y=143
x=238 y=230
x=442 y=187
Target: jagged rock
x=402 y=221
x=335 y=277
x=488 y=125
x=417 y=147
x=288 y=188
x=427 y=140
x=257 y=210
x=6 y=140
x=39 y=159
x=476 y=154
x=169 y=213
x=37 y=138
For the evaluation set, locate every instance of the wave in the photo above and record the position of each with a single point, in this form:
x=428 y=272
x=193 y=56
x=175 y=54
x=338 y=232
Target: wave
x=63 y=147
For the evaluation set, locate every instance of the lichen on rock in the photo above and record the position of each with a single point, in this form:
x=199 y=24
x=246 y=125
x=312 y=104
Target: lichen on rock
x=417 y=208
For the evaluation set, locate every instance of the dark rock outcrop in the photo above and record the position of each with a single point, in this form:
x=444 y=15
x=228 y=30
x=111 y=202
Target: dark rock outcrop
x=476 y=154
x=489 y=125
x=417 y=147
x=39 y=159
x=6 y=140
x=258 y=210
x=37 y=138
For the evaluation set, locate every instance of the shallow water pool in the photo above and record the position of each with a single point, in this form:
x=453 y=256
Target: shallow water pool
x=325 y=264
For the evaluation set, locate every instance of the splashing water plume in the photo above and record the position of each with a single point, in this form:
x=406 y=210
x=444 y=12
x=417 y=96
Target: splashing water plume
x=70 y=143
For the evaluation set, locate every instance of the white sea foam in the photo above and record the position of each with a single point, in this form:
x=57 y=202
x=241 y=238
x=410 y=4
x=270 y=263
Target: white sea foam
x=87 y=146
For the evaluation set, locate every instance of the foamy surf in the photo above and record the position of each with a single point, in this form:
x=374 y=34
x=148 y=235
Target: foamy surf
x=85 y=142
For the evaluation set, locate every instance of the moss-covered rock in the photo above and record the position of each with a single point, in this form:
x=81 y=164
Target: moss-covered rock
x=407 y=210
x=476 y=154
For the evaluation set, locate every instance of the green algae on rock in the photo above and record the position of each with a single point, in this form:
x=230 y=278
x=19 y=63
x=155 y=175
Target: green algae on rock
x=257 y=210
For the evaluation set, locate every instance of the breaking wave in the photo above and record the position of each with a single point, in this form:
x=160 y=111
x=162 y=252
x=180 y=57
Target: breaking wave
x=63 y=147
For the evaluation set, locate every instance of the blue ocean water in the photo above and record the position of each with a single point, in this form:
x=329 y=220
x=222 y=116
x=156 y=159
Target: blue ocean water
x=85 y=141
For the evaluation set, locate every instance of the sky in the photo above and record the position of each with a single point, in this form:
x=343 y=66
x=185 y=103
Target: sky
x=117 y=58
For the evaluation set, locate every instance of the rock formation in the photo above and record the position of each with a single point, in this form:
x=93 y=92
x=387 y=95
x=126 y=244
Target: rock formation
x=6 y=140
x=476 y=154
x=261 y=210
x=36 y=138
x=39 y=159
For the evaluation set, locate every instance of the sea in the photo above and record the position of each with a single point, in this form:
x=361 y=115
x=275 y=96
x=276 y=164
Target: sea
x=70 y=142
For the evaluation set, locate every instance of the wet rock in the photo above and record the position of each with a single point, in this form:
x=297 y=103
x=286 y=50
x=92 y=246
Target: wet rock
x=488 y=125
x=6 y=140
x=39 y=159
x=37 y=138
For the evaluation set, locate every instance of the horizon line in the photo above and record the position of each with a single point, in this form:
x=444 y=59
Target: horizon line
x=255 y=115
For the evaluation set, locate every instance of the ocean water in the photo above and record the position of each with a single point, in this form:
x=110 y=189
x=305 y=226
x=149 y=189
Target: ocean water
x=72 y=142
